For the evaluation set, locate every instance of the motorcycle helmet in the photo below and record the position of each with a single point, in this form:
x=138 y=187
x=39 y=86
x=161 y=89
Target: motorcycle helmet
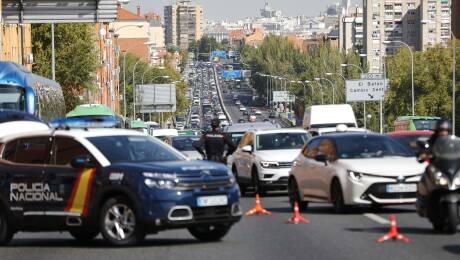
x=443 y=125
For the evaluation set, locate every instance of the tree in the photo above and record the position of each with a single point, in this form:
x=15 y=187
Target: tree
x=183 y=60
x=151 y=76
x=276 y=56
x=172 y=48
x=76 y=57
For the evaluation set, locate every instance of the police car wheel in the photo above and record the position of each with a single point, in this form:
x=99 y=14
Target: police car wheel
x=84 y=235
x=210 y=232
x=6 y=234
x=119 y=223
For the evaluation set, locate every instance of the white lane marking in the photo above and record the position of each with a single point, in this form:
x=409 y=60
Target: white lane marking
x=376 y=218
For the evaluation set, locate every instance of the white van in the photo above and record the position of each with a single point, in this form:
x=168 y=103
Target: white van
x=325 y=119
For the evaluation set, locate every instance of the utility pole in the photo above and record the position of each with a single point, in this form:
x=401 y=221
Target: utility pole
x=454 y=87
x=53 y=54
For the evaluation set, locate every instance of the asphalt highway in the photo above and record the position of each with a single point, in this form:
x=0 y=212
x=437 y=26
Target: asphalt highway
x=328 y=236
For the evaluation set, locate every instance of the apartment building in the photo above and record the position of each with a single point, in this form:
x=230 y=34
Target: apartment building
x=456 y=18
x=388 y=21
x=16 y=42
x=435 y=22
x=418 y=23
x=351 y=31
x=183 y=23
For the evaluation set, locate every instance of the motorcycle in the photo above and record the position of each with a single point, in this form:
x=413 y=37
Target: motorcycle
x=438 y=193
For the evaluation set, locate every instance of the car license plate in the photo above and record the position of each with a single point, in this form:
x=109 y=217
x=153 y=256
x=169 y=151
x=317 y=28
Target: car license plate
x=397 y=188
x=210 y=201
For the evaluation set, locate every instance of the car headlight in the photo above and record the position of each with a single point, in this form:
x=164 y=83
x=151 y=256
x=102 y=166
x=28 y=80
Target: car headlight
x=160 y=180
x=355 y=176
x=440 y=178
x=269 y=164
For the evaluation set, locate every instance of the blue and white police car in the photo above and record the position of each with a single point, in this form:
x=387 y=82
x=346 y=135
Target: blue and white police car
x=118 y=183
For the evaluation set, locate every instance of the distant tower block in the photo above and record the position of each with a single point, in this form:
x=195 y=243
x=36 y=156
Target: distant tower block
x=345 y=7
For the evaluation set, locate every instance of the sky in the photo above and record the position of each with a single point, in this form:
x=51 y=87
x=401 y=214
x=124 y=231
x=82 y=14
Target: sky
x=233 y=10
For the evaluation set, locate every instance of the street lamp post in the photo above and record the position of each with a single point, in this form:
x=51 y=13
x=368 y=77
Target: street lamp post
x=134 y=89
x=317 y=80
x=332 y=85
x=150 y=69
x=339 y=74
x=454 y=88
x=412 y=70
x=333 y=88
x=364 y=102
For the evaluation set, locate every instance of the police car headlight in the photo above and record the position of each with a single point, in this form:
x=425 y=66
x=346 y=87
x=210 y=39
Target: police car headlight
x=160 y=180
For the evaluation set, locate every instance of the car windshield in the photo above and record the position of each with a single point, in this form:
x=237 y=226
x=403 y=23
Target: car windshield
x=185 y=143
x=280 y=141
x=365 y=146
x=12 y=97
x=134 y=149
x=425 y=124
x=236 y=137
x=410 y=142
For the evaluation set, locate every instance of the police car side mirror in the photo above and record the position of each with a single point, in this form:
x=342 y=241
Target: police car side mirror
x=82 y=161
x=321 y=158
x=247 y=149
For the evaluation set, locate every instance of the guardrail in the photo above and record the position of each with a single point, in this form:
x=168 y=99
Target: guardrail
x=221 y=101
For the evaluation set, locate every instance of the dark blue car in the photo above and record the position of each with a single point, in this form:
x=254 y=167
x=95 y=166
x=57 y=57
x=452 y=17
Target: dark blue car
x=119 y=183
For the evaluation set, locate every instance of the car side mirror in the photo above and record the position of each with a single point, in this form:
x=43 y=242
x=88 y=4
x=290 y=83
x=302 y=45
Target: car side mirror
x=82 y=161
x=247 y=149
x=422 y=144
x=321 y=158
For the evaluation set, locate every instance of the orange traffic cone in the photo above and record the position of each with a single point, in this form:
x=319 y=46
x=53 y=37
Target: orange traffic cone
x=393 y=233
x=258 y=209
x=296 y=218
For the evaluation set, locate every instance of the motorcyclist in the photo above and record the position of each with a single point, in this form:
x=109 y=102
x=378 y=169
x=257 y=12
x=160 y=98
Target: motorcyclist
x=443 y=128
x=214 y=144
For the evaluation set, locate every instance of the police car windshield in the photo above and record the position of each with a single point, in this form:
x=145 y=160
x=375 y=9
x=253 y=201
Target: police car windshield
x=133 y=149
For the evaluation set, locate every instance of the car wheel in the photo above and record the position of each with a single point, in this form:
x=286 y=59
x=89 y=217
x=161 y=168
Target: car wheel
x=294 y=195
x=6 y=232
x=258 y=188
x=337 y=197
x=243 y=187
x=210 y=232
x=84 y=235
x=119 y=223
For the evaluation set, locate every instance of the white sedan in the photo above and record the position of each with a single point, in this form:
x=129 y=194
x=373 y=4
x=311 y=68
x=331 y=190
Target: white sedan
x=354 y=169
x=242 y=108
x=258 y=112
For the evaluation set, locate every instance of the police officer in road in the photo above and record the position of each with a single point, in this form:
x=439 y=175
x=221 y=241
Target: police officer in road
x=214 y=143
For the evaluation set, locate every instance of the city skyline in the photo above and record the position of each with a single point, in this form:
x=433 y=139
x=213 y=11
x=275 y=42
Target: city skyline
x=213 y=9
